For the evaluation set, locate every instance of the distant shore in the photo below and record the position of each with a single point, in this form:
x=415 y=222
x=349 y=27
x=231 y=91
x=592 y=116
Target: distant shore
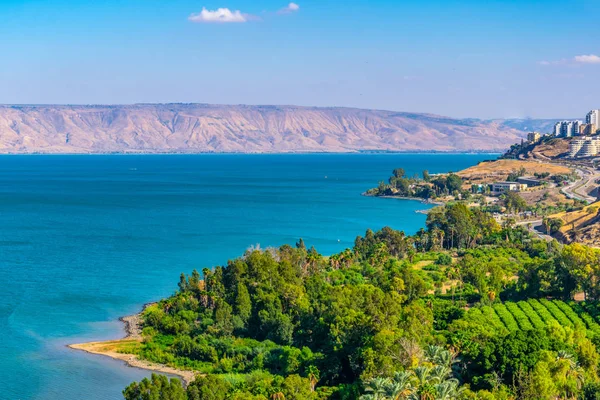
x=159 y=152
x=110 y=348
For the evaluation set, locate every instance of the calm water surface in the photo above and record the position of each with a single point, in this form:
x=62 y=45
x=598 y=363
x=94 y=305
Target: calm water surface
x=86 y=239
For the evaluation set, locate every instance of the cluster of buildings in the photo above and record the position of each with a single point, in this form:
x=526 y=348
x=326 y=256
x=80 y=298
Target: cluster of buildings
x=520 y=185
x=584 y=142
x=577 y=127
x=567 y=129
x=585 y=146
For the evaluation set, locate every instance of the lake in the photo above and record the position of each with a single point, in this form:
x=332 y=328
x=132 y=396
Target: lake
x=86 y=239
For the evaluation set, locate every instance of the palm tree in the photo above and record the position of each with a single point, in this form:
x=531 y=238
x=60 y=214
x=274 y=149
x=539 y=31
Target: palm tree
x=313 y=377
x=440 y=356
x=574 y=373
x=400 y=387
x=448 y=390
x=334 y=261
x=440 y=372
x=432 y=352
x=410 y=352
x=346 y=258
x=376 y=389
x=422 y=375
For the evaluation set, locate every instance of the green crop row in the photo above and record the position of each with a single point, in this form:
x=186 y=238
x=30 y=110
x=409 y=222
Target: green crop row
x=590 y=323
x=541 y=311
x=572 y=315
x=519 y=316
x=509 y=321
x=592 y=309
x=537 y=314
x=556 y=312
x=489 y=313
x=533 y=316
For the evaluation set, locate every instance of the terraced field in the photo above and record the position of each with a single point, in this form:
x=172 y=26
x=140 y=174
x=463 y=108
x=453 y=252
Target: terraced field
x=537 y=313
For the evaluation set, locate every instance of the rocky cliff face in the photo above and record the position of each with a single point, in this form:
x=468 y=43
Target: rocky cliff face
x=192 y=128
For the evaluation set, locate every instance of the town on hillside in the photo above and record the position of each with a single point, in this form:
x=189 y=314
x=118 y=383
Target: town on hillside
x=549 y=183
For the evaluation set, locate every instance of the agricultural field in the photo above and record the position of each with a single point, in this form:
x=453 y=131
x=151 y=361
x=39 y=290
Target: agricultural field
x=537 y=314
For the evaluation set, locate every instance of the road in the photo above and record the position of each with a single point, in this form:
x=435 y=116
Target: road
x=536 y=228
x=581 y=188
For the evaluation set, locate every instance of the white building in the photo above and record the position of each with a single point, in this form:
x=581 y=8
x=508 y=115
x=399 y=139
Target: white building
x=593 y=118
x=584 y=146
x=501 y=187
x=557 y=129
x=567 y=128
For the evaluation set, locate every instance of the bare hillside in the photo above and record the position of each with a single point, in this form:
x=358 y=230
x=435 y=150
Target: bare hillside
x=193 y=128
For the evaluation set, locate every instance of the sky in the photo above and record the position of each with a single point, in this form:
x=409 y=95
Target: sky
x=470 y=58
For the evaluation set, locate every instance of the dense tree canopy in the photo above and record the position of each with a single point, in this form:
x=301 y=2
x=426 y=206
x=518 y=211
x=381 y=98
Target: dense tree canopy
x=450 y=312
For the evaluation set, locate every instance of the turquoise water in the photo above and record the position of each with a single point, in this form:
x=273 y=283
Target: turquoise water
x=86 y=239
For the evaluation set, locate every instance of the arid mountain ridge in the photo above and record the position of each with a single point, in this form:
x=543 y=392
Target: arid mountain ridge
x=200 y=128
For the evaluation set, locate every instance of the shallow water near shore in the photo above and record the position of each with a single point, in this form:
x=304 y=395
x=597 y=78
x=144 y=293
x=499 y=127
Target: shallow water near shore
x=87 y=239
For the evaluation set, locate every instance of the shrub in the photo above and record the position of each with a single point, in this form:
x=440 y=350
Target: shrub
x=444 y=259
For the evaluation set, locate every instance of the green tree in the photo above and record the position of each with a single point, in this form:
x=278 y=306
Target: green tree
x=513 y=202
x=209 y=387
x=426 y=176
x=399 y=173
x=453 y=183
x=243 y=304
x=158 y=387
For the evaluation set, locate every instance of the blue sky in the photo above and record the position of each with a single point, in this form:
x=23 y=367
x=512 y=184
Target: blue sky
x=468 y=58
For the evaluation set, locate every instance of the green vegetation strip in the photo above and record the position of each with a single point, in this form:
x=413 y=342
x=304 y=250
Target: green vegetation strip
x=572 y=315
x=509 y=321
x=590 y=323
x=533 y=316
x=488 y=312
x=542 y=311
x=556 y=312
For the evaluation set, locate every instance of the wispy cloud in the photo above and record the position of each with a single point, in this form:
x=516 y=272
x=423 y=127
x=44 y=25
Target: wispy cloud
x=290 y=8
x=588 y=59
x=220 y=16
x=556 y=62
x=583 y=59
x=225 y=15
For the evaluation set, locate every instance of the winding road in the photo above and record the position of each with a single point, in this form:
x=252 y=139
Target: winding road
x=581 y=188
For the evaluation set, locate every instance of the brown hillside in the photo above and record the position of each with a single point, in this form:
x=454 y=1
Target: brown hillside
x=190 y=128
x=491 y=171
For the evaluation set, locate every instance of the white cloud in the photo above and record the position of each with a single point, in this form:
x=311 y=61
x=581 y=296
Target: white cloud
x=555 y=62
x=587 y=59
x=225 y=15
x=219 y=16
x=290 y=8
x=583 y=59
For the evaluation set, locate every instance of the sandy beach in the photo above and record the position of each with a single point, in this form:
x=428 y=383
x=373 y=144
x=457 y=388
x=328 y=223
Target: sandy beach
x=114 y=349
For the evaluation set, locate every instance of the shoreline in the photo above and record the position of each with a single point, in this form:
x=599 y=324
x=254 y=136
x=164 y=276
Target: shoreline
x=109 y=348
x=420 y=200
